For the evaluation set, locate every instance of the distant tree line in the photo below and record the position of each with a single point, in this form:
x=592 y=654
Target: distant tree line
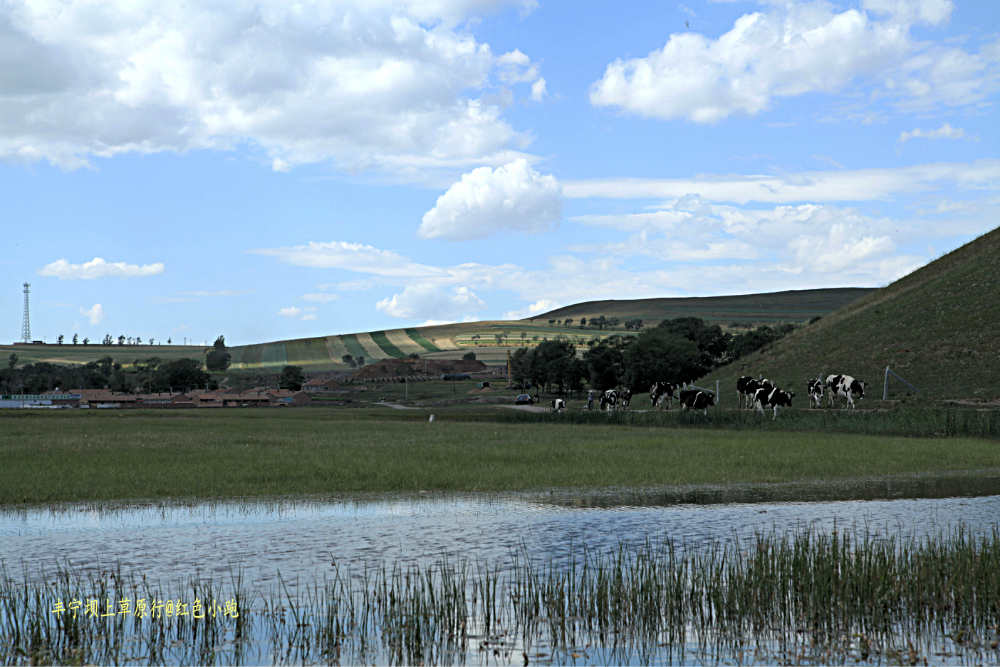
x=678 y=350
x=149 y=375
x=108 y=340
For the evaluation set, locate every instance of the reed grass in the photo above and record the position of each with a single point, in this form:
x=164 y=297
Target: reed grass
x=799 y=596
x=31 y=632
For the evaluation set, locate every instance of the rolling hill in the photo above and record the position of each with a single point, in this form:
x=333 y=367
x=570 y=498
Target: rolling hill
x=936 y=327
x=452 y=340
x=789 y=306
x=324 y=353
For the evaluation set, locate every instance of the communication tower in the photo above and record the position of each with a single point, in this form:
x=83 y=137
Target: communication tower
x=26 y=324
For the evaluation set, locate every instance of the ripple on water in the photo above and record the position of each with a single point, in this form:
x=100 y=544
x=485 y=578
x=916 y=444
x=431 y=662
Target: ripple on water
x=303 y=537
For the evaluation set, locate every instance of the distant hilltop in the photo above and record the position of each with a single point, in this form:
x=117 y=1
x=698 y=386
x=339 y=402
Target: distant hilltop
x=491 y=339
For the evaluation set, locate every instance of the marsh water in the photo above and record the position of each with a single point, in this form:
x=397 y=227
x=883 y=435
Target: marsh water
x=304 y=540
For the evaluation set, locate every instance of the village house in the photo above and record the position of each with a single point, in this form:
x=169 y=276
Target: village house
x=320 y=385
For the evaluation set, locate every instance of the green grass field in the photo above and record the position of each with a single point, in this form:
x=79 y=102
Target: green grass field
x=118 y=455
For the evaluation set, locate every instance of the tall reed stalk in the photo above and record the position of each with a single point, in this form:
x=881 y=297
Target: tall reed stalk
x=802 y=595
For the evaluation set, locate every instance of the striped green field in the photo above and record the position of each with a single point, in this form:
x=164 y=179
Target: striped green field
x=453 y=340
x=327 y=353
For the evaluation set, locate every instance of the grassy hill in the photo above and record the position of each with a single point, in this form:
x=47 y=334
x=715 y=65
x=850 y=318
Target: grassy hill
x=789 y=306
x=936 y=327
x=452 y=340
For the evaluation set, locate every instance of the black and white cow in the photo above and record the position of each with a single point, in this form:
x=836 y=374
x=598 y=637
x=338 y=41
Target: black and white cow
x=746 y=389
x=609 y=400
x=772 y=398
x=844 y=386
x=558 y=404
x=815 y=391
x=693 y=399
x=662 y=391
x=624 y=397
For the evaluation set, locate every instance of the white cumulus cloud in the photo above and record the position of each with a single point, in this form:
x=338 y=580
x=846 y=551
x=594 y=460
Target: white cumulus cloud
x=429 y=301
x=95 y=314
x=296 y=313
x=362 y=83
x=512 y=198
x=798 y=48
x=98 y=268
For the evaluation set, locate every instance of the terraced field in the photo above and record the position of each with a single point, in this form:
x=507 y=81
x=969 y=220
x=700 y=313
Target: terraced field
x=326 y=353
x=452 y=340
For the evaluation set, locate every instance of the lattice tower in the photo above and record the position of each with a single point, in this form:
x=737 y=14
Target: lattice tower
x=26 y=324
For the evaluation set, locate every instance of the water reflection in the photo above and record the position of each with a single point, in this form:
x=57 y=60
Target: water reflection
x=303 y=538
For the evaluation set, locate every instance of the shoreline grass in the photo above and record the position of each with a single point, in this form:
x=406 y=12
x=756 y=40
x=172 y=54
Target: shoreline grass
x=150 y=455
x=800 y=596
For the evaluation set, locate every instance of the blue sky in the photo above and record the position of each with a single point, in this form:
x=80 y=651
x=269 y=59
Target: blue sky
x=269 y=170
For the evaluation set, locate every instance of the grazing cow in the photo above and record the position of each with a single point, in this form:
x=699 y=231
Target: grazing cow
x=609 y=400
x=815 y=390
x=772 y=398
x=844 y=386
x=746 y=389
x=558 y=404
x=693 y=399
x=662 y=391
x=624 y=396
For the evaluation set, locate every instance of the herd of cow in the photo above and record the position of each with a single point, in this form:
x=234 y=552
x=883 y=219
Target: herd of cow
x=753 y=394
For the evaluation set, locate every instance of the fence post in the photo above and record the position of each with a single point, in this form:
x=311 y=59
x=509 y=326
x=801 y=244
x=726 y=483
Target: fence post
x=716 y=392
x=885 y=388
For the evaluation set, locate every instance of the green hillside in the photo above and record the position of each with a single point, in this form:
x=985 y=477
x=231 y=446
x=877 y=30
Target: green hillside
x=789 y=306
x=936 y=327
x=453 y=340
x=81 y=354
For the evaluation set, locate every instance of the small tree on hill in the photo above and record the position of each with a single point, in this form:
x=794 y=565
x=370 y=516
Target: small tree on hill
x=217 y=358
x=76 y=337
x=469 y=356
x=60 y=339
x=349 y=360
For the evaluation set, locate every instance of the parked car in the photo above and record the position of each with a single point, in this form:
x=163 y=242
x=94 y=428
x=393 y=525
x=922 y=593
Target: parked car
x=523 y=399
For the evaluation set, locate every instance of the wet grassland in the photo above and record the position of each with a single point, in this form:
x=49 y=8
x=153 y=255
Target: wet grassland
x=802 y=596
x=796 y=598
x=71 y=456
